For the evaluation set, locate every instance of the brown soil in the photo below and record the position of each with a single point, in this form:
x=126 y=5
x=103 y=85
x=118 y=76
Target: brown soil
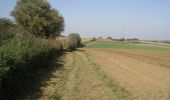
x=145 y=74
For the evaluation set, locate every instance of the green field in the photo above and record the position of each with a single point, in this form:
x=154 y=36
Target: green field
x=124 y=46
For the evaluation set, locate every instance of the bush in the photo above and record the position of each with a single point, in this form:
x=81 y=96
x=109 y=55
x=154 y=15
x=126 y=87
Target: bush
x=22 y=51
x=58 y=44
x=109 y=38
x=18 y=59
x=72 y=41
x=78 y=38
x=93 y=39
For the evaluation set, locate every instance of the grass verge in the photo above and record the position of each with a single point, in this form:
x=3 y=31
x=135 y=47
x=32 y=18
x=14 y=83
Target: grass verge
x=63 y=78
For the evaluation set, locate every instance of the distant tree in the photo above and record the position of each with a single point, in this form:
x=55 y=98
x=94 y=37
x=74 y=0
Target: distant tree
x=122 y=39
x=109 y=38
x=133 y=39
x=38 y=18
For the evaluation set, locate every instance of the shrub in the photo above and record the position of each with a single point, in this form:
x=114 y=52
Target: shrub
x=22 y=51
x=58 y=44
x=6 y=30
x=93 y=39
x=109 y=38
x=18 y=59
x=72 y=41
x=78 y=38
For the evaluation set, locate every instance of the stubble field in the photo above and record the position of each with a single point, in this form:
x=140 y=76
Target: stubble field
x=108 y=73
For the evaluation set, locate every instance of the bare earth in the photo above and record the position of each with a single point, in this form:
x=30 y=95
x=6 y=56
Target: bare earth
x=111 y=74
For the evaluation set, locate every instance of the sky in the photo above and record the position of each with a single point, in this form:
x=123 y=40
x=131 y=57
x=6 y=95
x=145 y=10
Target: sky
x=143 y=19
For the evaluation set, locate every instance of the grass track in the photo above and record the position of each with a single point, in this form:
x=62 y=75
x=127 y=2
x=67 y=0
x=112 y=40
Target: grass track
x=84 y=80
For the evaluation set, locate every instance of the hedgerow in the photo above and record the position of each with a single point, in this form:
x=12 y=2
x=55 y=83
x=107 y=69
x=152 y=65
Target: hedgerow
x=22 y=51
x=18 y=58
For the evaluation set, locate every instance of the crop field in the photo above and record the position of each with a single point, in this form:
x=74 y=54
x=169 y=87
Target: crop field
x=124 y=46
x=111 y=71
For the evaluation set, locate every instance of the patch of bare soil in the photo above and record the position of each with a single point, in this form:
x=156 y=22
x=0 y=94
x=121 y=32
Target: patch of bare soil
x=145 y=74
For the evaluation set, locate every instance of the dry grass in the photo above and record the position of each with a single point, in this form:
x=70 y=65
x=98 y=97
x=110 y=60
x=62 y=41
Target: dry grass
x=86 y=39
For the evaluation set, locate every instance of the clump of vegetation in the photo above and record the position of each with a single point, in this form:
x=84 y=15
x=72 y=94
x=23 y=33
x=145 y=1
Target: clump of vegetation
x=72 y=41
x=109 y=38
x=28 y=44
x=119 y=40
x=17 y=57
x=78 y=38
x=93 y=39
x=38 y=18
x=22 y=50
x=6 y=30
x=58 y=44
x=133 y=39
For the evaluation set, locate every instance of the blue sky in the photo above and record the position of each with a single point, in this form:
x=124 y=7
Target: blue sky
x=144 y=19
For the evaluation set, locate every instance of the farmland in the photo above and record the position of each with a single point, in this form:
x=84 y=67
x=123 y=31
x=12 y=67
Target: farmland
x=84 y=50
x=125 y=46
x=106 y=71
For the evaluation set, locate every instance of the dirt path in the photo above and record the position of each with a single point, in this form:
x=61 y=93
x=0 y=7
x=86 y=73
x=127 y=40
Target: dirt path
x=144 y=79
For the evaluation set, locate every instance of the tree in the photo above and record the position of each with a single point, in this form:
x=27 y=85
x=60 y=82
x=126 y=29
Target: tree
x=6 y=30
x=57 y=23
x=38 y=18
